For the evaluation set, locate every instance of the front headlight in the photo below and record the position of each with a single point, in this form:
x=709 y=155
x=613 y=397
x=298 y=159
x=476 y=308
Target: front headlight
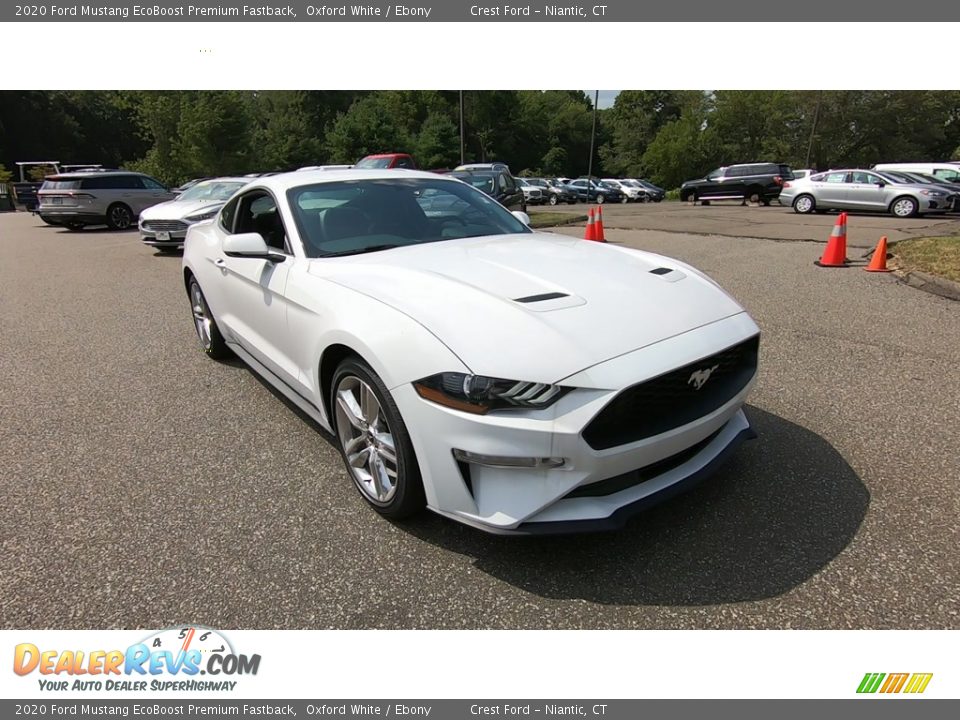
x=479 y=394
x=201 y=216
x=932 y=193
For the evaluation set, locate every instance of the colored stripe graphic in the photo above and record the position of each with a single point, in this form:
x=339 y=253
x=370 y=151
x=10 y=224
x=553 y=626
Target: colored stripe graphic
x=870 y=682
x=918 y=682
x=894 y=683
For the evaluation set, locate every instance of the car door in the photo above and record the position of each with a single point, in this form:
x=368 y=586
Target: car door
x=714 y=185
x=830 y=192
x=154 y=191
x=253 y=303
x=865 y=191
x=579 y=188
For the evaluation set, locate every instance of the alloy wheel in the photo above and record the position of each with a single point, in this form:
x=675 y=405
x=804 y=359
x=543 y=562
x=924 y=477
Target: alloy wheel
x=201 y=316
x=366 y=440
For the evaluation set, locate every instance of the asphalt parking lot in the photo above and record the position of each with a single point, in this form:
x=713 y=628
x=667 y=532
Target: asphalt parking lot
x=144 y=485
x=775 y=222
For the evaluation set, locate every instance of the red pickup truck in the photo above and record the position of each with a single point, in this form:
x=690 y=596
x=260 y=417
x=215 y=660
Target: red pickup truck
x=388 y=161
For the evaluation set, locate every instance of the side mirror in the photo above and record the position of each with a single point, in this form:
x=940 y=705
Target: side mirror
x=250 y=245
x=522 y=217
x=881 y=184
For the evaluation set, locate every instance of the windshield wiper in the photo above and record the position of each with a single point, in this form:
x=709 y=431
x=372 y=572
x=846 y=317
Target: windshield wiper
x=372 y=248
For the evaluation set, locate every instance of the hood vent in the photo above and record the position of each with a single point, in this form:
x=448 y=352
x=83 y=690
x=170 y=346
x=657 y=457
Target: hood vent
x=540 y=298
x=661 y=271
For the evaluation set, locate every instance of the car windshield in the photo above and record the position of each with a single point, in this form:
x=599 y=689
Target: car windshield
x=356 y=216
x=377 y=162
x=481 y=181
x=212 y=190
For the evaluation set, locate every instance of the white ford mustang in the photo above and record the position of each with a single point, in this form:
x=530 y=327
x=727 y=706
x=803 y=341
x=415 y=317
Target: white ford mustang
x=516 y=381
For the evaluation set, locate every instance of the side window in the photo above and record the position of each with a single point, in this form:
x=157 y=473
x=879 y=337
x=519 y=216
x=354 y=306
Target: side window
x=837 y=177
x=859 y=178
x=716 y=174
x=228 y=214
x=127 y=182
x=152 y=184
x=404 y=163
x=98 y=183
x=736 y=172
x=507 y=183
x=257 y=212
x=949 y=175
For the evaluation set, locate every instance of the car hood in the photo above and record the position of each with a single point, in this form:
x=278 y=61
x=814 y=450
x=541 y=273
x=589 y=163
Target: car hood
x=535 y=306
x=179 y=209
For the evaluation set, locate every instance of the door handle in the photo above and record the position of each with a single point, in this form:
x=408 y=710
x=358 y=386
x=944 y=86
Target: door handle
x=220 y=263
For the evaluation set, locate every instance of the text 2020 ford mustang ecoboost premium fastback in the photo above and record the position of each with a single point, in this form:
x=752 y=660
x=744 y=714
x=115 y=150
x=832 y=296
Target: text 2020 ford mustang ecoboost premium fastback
x=519 y=382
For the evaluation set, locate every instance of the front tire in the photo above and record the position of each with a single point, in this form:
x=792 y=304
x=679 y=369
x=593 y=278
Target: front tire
x=119 y=217
x=553 y=199
x=804 y=204
x=211 y=340
x=374 y=442
x=904 y=207
x=600 y=199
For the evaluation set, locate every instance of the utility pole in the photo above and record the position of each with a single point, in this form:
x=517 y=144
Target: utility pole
x=813 y=128
x=593 y=136
x=463 y=158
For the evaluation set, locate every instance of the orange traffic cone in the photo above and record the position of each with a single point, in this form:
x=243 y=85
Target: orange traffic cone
x=878 y=263
x=598 y=227
x=589 y=233
x=835 y=254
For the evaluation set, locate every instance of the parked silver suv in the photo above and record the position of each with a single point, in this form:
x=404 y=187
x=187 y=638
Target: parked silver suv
x=114 y=198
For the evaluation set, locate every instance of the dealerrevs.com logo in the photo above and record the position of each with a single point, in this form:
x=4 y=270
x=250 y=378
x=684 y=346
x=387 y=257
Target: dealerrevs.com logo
x=171 y=660
x=909 y=683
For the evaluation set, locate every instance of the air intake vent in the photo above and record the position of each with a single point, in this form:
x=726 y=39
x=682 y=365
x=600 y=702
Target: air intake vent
x=541 y=298
x=661 y=271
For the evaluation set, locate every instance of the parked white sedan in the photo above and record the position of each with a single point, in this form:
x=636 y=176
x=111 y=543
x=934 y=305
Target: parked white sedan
x=164 y=226
x=516 y=381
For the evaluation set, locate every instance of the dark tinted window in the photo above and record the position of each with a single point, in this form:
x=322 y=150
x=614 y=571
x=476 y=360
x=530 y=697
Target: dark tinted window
x=227 y=215
x=257 y=212
x=112 y=182
x=152 y=184
x=404 y=162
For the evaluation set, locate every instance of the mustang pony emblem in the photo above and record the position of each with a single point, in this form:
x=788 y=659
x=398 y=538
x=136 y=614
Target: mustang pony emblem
x=699 y=377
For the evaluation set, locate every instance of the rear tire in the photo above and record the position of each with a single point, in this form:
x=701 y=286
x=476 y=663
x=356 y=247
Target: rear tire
x=553 y=199
x=804 y=204
x=600 y=199
x=119 y=217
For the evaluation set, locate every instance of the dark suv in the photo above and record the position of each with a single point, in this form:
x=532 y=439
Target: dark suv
x=498 y=184
x=756 y=182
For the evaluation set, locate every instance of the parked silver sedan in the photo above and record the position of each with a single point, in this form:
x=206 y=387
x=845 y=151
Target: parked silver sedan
x=864 y=191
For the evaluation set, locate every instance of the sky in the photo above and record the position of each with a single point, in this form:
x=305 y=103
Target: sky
x=606 y=97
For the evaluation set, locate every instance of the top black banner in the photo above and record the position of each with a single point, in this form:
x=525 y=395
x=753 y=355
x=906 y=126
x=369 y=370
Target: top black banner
x=469 y=11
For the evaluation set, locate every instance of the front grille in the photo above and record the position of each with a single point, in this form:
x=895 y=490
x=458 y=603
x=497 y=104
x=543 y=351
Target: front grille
x=635 y=477
x=672 y=400
x=164 y=225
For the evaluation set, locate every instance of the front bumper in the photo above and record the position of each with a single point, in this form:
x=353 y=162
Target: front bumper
x=173 y=238
x=593 y=489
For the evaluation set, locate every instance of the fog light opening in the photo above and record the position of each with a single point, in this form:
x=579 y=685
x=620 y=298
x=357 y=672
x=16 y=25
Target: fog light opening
x=508 y=461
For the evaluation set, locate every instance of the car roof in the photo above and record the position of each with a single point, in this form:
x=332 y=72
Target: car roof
x=93 y=173
x=285 y=181
x=383 y=155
